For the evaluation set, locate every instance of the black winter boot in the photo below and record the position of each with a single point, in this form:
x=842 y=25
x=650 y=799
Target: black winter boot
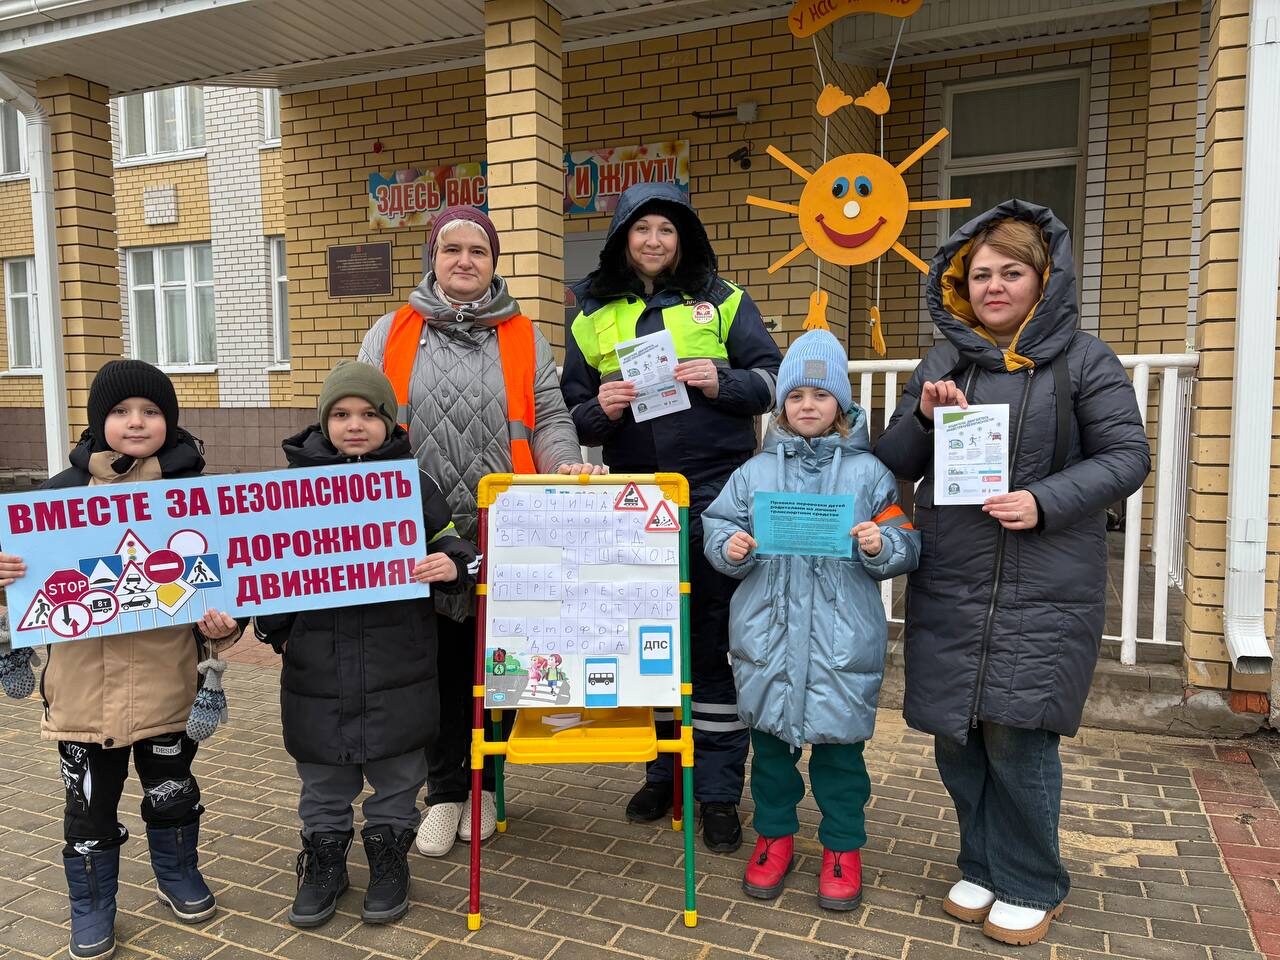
x=387 y=899
x=92 y=880
x=322 y=877
x=179 y=884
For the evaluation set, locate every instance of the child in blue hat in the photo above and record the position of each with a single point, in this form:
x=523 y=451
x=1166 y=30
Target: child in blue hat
x=808 y=633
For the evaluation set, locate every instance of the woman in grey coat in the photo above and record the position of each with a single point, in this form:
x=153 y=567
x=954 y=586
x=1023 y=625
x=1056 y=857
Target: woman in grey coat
x=478 y=391
x=1005 y=612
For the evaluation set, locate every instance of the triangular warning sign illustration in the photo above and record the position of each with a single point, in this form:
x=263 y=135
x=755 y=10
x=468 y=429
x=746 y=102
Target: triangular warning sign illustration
x=662 y=520
x=131 y=549
x=37 y=615
x=133 y=582
x=630 y=499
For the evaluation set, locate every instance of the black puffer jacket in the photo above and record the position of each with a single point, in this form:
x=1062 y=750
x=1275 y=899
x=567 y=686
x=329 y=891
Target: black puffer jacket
x=359 y=682
x=1002 y=625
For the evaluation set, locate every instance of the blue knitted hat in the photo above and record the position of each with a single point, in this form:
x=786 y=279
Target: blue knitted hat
x=816 y=360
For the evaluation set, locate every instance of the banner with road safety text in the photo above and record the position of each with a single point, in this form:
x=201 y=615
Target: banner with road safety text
x=121 y=558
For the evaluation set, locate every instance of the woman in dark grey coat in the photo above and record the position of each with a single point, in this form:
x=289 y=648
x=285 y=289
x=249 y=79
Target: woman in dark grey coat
x=1005 y=612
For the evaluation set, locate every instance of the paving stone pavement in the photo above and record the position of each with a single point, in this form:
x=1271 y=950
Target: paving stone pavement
x=571 y=880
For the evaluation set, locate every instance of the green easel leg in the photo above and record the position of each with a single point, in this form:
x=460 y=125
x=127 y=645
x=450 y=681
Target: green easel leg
x=690 y=894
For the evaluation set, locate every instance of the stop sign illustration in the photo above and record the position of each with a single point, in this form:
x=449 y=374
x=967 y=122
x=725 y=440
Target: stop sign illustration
x=65 y=585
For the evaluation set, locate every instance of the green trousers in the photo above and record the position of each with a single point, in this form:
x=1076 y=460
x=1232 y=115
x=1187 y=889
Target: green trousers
x=840 y=785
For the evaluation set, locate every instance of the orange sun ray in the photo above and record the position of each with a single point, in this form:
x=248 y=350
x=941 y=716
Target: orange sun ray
x=783 y=261
x=910 y=257
x=773 y=205
x=921 y=150
x=957 y=204
x=787 y=162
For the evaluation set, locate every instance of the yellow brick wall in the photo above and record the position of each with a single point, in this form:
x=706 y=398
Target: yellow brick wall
x=15 y=241
x=190 y=180
x=327 y=153
x=1122 y=217
x=1170 y=174
x=715 y=70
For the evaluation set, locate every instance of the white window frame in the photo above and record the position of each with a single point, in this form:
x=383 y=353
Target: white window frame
x=279 y=299
x=270 y=117
x=151 y=153
x=157 y=288
x=28 y=264
x=1025 y=160
x=22 y=144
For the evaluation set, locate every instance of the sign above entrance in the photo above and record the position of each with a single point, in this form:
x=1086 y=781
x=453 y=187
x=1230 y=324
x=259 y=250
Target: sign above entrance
x=412 y=197
x=593 y=181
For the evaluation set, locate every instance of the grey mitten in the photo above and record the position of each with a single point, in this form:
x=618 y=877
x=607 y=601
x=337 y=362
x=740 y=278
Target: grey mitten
x=16 y=675
x=210 y=707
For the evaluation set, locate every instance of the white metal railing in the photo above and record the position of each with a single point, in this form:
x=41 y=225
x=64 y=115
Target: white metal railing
x=1173 y=375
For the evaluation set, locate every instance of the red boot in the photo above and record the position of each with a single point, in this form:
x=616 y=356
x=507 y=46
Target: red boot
x=769 y=864
x=840 y=883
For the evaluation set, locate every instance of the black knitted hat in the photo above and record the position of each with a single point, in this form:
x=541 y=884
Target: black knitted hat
x=120 y=379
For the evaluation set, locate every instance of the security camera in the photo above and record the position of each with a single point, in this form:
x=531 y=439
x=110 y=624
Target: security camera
x=742 y=157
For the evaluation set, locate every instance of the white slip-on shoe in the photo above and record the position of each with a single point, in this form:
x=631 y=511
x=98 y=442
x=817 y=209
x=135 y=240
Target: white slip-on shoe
x=1019 y=926
x=439 y=829
x=968 y=902
x=488 y=817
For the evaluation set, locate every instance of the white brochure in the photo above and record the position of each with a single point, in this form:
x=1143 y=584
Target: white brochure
x=970 y=453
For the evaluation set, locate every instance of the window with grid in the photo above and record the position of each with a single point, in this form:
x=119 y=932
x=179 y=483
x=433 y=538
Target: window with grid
x=279 y=298
x=20 y=312
x=13 y=140
x=1022 y=137
x=161 y=122
x=171 y=305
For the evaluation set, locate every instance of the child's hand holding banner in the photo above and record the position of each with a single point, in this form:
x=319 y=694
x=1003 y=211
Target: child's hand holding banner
x=128 y=557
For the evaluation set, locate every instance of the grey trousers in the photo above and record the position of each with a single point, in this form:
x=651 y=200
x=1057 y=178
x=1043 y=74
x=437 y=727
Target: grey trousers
x=328 y=790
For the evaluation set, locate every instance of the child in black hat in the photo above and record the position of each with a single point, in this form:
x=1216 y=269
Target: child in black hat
x=359 y=698
x=107 y=698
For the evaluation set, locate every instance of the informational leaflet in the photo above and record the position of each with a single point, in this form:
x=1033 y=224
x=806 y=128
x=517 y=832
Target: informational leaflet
x=970 y=453
x=649 y=362
x=800 y=524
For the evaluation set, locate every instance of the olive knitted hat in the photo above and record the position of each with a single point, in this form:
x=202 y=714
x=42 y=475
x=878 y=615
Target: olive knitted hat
x=351 y=378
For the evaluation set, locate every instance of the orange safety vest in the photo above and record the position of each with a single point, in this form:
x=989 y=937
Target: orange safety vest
x=519 y=363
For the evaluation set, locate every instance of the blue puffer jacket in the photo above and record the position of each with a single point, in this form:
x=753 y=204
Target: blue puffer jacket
x=808 y=634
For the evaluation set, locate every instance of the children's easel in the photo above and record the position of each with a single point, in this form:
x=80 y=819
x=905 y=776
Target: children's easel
x=582 y=622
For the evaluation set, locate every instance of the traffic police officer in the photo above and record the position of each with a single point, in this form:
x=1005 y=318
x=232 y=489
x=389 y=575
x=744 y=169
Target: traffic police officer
x=657 y=269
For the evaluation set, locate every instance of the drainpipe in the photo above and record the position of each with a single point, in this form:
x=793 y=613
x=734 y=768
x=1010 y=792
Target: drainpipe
x=1255 y=362
x=48 y=305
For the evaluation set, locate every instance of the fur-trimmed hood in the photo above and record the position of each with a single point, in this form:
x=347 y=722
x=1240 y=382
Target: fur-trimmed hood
x=614 y=276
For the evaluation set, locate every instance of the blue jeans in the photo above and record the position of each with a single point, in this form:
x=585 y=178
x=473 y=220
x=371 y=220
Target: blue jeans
x=1006 y=784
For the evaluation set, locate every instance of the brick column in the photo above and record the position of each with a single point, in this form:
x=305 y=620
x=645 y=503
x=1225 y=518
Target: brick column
x=1215 y=337
x=525 y=135
x=80 y=119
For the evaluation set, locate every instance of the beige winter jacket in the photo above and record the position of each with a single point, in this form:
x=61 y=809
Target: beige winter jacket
x=118 y=690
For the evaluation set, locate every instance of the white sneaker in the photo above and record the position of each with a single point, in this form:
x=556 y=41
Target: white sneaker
x=1019 y=926
x=968 y=902
x=439 y=829
x=488 y=817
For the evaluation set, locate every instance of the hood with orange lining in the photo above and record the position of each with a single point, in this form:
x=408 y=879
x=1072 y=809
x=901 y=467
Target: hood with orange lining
x=1052 y=321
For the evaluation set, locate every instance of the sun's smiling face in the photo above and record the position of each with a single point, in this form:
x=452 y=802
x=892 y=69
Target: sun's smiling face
x=853 y=209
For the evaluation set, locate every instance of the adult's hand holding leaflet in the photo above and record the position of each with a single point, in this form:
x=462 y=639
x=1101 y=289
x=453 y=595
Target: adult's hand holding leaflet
x=649 y=363
x=970 y=453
